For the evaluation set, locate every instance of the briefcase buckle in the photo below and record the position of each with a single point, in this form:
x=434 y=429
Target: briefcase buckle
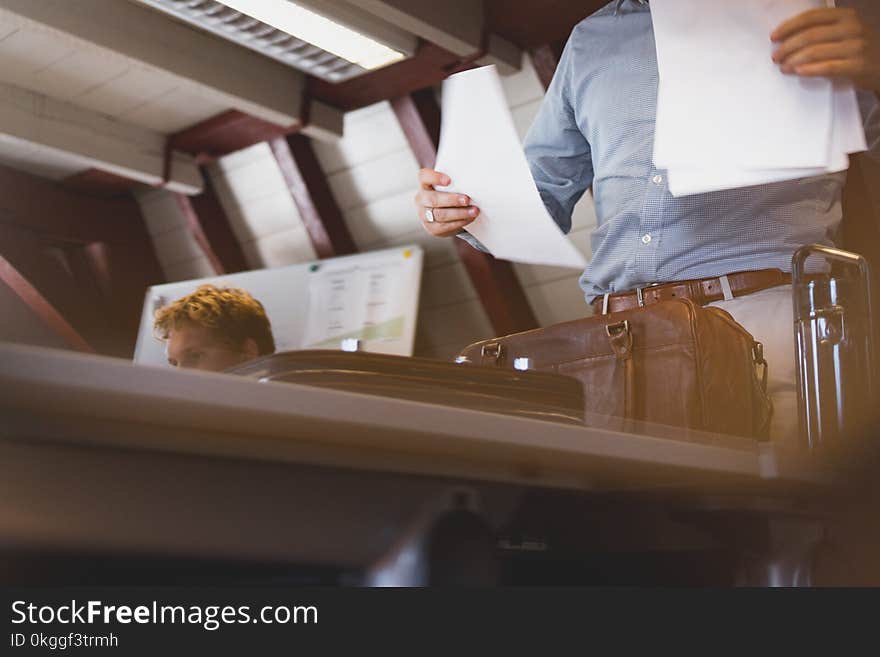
x=613 y=330
x=492 y=350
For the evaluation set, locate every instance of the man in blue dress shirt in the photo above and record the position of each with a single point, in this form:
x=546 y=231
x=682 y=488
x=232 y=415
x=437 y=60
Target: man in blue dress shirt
x=595 y=129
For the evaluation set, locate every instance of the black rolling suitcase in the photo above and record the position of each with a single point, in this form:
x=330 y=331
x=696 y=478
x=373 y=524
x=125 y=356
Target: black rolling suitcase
x=527 y=394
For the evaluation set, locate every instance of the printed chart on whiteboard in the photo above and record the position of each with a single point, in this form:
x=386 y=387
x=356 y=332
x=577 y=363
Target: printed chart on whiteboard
x=360 y=302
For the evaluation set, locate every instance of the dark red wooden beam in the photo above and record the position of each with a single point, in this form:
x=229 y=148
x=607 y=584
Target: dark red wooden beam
x=312 y=195
x=40 y=306
x=122 y=273
x=419 y=117
x=36 y=273
x=225 y=133
x=101 y=183
x=48 y=209
x=430 y=66
x=102 y=257
x=531 y=24
x=495 y=281
x=545 y=60
x=208 y=224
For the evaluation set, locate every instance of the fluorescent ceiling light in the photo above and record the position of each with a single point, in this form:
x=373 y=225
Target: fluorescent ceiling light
x=322 y=32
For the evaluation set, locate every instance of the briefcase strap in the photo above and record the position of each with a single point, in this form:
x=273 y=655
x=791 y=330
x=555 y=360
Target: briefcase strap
x=621 y=340
x=701 y=291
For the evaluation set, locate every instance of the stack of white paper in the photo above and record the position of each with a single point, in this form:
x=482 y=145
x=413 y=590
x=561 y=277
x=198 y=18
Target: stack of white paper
x=481 y=153
x=727 y=116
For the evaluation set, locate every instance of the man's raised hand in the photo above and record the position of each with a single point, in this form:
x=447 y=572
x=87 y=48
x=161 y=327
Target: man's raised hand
x=450 y=211
x=832 y=42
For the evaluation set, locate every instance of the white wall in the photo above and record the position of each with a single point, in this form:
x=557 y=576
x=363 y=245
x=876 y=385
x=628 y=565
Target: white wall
x=177 y=251
x=263 y=215
x=372 y=174
x=260 y=210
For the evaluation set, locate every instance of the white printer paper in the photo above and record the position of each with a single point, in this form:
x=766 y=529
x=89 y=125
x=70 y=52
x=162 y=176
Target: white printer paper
x=722 y=100
x=481 y=153
x=726 y=115
x=847 y=136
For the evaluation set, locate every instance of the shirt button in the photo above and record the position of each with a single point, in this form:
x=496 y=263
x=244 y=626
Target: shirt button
x=646 y=239
x=657 y=179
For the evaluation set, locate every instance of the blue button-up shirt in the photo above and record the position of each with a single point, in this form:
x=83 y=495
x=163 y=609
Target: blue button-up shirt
x=596 y=127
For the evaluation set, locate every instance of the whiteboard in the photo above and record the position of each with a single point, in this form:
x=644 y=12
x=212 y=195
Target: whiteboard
x=372 y=297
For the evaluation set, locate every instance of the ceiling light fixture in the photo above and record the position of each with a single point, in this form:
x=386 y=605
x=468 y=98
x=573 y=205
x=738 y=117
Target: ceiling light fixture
x=319 y=31
x=295 y=35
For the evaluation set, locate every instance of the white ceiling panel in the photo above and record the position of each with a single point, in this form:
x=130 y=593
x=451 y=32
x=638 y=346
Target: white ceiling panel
x=109 y=144
x=173 y=111
x=6 y=28
x=230 y=75
x=122 y=94
x=150 y=74
x=25 y=52
x=98 y=80
x=136 y=65
x=76 y=73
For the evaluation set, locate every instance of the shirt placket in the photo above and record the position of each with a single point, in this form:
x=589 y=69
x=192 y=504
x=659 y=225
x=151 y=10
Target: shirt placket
x=651 y=225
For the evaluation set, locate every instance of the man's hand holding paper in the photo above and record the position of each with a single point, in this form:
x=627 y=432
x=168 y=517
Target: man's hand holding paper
x=728 y=117
x=832 y=42
x=443 y=214
x=483 y=183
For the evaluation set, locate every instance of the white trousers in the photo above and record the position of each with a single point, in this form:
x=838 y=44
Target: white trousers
x=767 y=315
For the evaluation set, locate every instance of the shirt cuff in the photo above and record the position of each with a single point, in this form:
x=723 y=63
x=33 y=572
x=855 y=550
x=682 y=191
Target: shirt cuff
x=473 y=241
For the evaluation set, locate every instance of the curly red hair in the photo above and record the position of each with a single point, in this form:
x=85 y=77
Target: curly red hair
x=232 y=314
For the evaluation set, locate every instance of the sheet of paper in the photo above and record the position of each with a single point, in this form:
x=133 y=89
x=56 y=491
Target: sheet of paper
x=481 y=153
x=726 y=116
x=847 y=136
x=722 y=100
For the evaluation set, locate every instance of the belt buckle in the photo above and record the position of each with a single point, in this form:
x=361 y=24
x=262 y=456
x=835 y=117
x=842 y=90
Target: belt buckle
x=640 y=293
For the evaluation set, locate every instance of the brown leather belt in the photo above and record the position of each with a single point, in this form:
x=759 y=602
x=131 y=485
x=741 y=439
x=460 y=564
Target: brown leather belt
x=701 y=291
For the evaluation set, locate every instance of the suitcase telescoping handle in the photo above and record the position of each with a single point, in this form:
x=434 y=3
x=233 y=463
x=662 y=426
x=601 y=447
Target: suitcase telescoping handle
x=799 y=260
x=798 y=271
x=834 y=331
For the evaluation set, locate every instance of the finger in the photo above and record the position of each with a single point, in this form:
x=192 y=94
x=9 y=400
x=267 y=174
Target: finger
x=429 y=177
x=455 y=214
x=814 y=36
x=839 y=68
x=446 y=230
x=807 y=19
x=432 y=199
x=823 y=53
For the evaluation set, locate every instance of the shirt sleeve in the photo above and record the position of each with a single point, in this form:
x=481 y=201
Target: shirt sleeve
x=557 y=151
x=473 y=241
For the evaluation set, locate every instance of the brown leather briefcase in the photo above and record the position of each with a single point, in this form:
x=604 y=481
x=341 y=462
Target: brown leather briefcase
x=673 y=363
x=537 y=395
